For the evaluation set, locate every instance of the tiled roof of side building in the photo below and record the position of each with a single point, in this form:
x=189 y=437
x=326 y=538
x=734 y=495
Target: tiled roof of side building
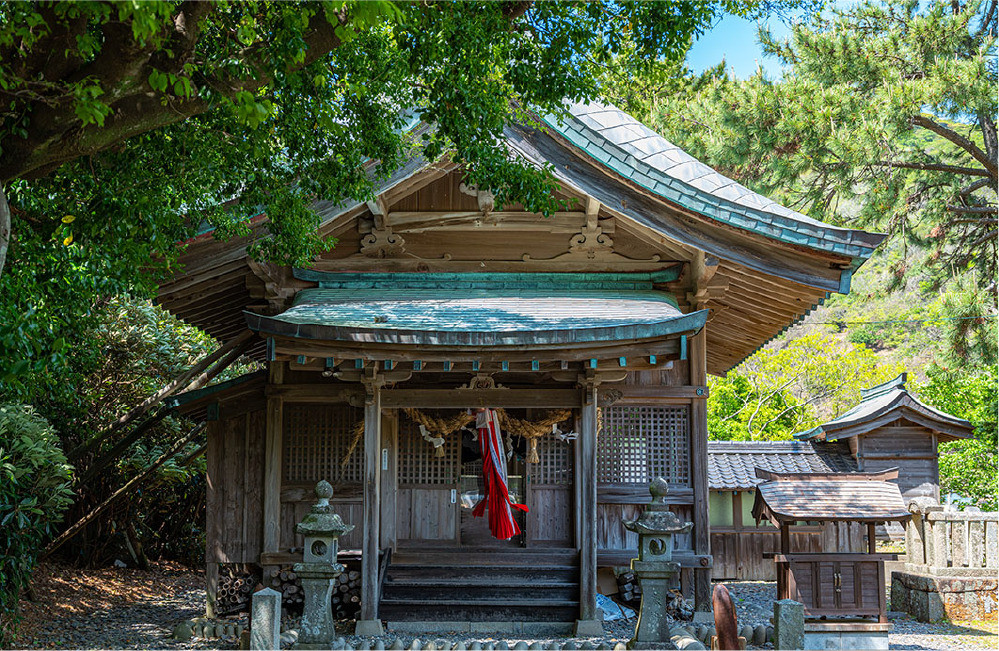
x=732 y=465
x=630 y=148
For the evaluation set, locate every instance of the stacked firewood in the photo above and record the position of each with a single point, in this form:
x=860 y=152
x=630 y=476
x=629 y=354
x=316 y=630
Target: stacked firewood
x=347 y=595
x=628 y=589
x=285 y=581
x=346 y=599
x=234 y=591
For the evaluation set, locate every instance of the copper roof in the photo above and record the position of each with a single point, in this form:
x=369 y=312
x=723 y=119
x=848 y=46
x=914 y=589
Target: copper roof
x=825 y=497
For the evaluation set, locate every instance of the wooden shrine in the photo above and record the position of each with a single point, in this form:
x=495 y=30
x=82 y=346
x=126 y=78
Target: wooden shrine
x=434 y=301
x=831 y=584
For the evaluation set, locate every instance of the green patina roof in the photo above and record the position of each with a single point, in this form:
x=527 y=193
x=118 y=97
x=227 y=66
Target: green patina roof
x=634 y=151
x=480 y=309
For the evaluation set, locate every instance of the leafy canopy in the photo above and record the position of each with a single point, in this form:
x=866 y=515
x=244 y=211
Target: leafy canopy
x=121 y=120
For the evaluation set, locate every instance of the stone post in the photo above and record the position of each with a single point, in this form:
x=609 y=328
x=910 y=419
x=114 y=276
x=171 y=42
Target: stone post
x=789 y=624
x=322 y=530
x=654 y=566
x=265 y=620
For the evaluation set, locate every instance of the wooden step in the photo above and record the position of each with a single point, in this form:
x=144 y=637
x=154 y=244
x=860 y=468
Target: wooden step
x=483 y=572
x=492 y=610
x=476 y=591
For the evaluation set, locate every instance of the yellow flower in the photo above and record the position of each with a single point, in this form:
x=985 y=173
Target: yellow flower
x=68 y=219
x=68 y=240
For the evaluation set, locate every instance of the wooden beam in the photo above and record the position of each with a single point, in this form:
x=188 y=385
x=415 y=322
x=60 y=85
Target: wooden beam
x=368 y=619
x=461 y=398
x=587 y=447
x=273 y=463
x=699 y=469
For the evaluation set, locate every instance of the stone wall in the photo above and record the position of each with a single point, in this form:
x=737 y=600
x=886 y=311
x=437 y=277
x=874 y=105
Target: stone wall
x=931 y=598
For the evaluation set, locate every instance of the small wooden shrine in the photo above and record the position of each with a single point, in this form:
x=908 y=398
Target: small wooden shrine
x=605 y=316
x=831 y=584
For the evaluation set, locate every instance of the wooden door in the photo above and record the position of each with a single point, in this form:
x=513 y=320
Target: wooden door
x=426 y=503
x=550 y=494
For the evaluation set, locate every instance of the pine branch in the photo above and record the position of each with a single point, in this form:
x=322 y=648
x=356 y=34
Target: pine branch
x=934 y=167
x=977 y=185
x=964 y=143
x=972 y=210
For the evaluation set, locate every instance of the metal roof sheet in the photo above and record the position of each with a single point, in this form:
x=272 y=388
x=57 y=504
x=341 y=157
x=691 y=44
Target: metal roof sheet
x=635 y=151
x=732 y=465
x=464 y=312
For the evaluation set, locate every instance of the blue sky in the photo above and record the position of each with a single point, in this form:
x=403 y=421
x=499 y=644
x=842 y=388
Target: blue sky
x=734 y=39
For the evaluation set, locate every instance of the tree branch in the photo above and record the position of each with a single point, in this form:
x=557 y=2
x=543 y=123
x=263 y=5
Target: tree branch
x=959 y=140
x=934 y=167
x=977 y=185
x=972 y=210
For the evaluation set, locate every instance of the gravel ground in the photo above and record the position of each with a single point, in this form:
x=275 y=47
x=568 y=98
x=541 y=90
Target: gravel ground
x=129 y=609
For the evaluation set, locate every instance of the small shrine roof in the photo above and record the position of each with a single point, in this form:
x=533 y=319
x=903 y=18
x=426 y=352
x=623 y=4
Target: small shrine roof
x=884 y=404
x=827 y=497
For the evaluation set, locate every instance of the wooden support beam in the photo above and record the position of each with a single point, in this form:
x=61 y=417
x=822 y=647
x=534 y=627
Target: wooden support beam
x=587 y=447
x=368 y=622
x=461 y=398
x=699 y=469
x=273 y=462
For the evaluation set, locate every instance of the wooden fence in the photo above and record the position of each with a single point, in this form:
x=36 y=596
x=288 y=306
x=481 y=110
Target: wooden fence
x=952 y=543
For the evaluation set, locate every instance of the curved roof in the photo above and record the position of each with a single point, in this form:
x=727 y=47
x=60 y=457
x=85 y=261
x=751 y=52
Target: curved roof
x=635 y=151
x=495 y=310
x=883 y=404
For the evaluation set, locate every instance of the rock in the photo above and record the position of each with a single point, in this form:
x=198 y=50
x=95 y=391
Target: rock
x=746 y=632
x=701 y=633
x=183 y=631
x=489 y=646
x=620 y=646
x=430 y=646
x=378 y=645
x=289 y=638
x=416 y=645
x=770 y=633
x=475 y=646
x=363 y=645
x=244 y=640
x=442 y=644
x=458 y=646
x=397 y=645
x=502 y=646
x=229 y=630
x=711 y=633
x=520 y=646
x=570 y=646
x=759 y=635
x=587 y=646
x=536 y=647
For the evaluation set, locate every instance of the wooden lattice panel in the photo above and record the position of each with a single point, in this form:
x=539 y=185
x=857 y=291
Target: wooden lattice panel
x=419 y=464
x=318 y=440
x=555 y=463
x=636 y=444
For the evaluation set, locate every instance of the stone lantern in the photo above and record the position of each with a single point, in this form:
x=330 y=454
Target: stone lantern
x=322 y=529
x=654 y=566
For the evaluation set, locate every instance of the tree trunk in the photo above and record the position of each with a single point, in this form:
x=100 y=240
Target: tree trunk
x=4 y=228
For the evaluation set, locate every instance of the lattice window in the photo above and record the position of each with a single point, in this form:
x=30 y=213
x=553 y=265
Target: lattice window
x=555 y=466
x=418 y=460
x=638 y=444
x=318 y=439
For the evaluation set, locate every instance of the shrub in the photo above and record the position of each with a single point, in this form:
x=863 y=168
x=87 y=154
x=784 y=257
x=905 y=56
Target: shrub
x=34 y=492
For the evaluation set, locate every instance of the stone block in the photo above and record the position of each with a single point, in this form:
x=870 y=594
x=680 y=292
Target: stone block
x=789 y=624
x=265 y=620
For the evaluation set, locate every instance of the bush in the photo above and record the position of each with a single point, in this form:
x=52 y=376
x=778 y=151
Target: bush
x=34 y=492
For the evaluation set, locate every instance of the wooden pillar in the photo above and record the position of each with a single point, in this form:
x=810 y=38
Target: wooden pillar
x=273 y=463
x=697 y=354
x=872 y=547
x=387 y=461
x=211 y=590
x=368 y=623
x=588 y=624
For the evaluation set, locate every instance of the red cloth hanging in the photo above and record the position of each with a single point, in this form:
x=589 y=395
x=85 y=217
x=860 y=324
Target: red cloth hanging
x=497 y=495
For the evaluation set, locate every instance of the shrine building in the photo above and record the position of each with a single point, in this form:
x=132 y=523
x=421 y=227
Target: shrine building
x=592 y=330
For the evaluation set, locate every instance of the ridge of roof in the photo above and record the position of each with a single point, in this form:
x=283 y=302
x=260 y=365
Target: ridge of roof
x=625 y=145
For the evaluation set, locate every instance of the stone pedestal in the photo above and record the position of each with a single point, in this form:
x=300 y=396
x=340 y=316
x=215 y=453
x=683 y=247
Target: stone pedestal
x=931 y=598
x=265 y=620
x=653 y=567
x=789 y=624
